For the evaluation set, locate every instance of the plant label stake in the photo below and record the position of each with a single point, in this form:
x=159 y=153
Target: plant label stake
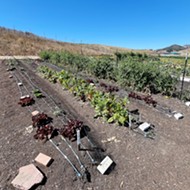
x=130 y=122
x=78 y=139
x=79 y=144
x=140 y=117
x=184 y=71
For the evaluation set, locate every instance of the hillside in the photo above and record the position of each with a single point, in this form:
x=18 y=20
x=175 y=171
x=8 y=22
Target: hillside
x=172 y=48
x=14 y=42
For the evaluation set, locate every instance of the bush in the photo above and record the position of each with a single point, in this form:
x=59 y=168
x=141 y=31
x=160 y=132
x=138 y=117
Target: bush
x=55 y=58
x=135 y=70
x=103 y=68
x=45 y=55
x=146 y=76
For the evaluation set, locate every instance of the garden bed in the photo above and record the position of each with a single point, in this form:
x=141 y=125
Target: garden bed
x=141 y=163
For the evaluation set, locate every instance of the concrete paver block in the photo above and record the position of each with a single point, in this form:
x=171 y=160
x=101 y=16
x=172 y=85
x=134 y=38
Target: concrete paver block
x=27 y=177
x=23 y=97
x=144 y=126
x=178 y=116
x=43 y=159
x=105 y=164
x=35 y=113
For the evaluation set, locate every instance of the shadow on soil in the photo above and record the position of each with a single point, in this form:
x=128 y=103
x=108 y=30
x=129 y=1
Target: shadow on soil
x=39 y=184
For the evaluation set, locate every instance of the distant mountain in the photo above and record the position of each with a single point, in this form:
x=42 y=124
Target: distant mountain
x=187 y=46
x=172 y=48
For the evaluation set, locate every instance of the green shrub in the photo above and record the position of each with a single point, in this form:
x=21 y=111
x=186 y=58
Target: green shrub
x=103 y=68
x=138 y=71
x=45 y=55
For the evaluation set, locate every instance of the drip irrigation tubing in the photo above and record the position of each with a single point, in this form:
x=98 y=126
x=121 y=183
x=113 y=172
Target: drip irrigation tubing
x=29 y=81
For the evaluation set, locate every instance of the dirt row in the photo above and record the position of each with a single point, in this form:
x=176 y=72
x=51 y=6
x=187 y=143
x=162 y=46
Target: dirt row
x=141 y=163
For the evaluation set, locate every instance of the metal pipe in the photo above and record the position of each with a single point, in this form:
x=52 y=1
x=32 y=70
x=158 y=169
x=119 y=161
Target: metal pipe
x=77 y=157
x=62 y=153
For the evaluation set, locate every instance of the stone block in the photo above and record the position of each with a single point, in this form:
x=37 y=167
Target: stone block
x=43 y=159
x=178 y=116
x=105 y=164
x=27 y=177
x=35 y=113
x=144 y=126
x=23 y=97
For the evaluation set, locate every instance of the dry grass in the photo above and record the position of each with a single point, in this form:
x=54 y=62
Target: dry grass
x=14 y=42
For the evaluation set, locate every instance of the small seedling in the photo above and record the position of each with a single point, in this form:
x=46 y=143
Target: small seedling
x=38 y=93
x=58 y=112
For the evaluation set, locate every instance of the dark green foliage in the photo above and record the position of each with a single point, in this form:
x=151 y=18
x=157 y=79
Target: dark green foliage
x=146 y=77
x=135 y=70
x=45 y=55
x=38 y=93
x=103 y=68
x=105 y=104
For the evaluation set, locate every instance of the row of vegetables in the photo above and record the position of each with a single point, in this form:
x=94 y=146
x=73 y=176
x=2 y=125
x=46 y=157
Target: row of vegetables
x=106 y=105
x=131 y=71
x=42 y=122
x=101 y=96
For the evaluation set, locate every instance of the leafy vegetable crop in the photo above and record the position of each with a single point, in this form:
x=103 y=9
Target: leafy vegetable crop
x=69 y=130
x=109 y=88
x=26 y=101
x=38 y=93
x=147 y=99
x=131 y=70
x=40 y=120
x=45 y=132
x=105 y=104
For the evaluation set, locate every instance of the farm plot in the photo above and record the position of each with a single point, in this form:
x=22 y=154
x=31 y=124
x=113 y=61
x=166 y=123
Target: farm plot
x=162 y=163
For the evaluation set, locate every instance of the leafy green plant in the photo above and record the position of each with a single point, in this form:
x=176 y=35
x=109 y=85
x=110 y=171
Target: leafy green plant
x=138 y=71
x=37 y=93
x=45 y=55
x=105 y=104
x=57 y=112
x=103 y=68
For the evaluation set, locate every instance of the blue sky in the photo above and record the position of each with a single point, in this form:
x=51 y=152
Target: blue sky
x=137 y=24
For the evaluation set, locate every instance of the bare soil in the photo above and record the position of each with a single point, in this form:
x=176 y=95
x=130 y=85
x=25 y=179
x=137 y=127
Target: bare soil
x=141 y=163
